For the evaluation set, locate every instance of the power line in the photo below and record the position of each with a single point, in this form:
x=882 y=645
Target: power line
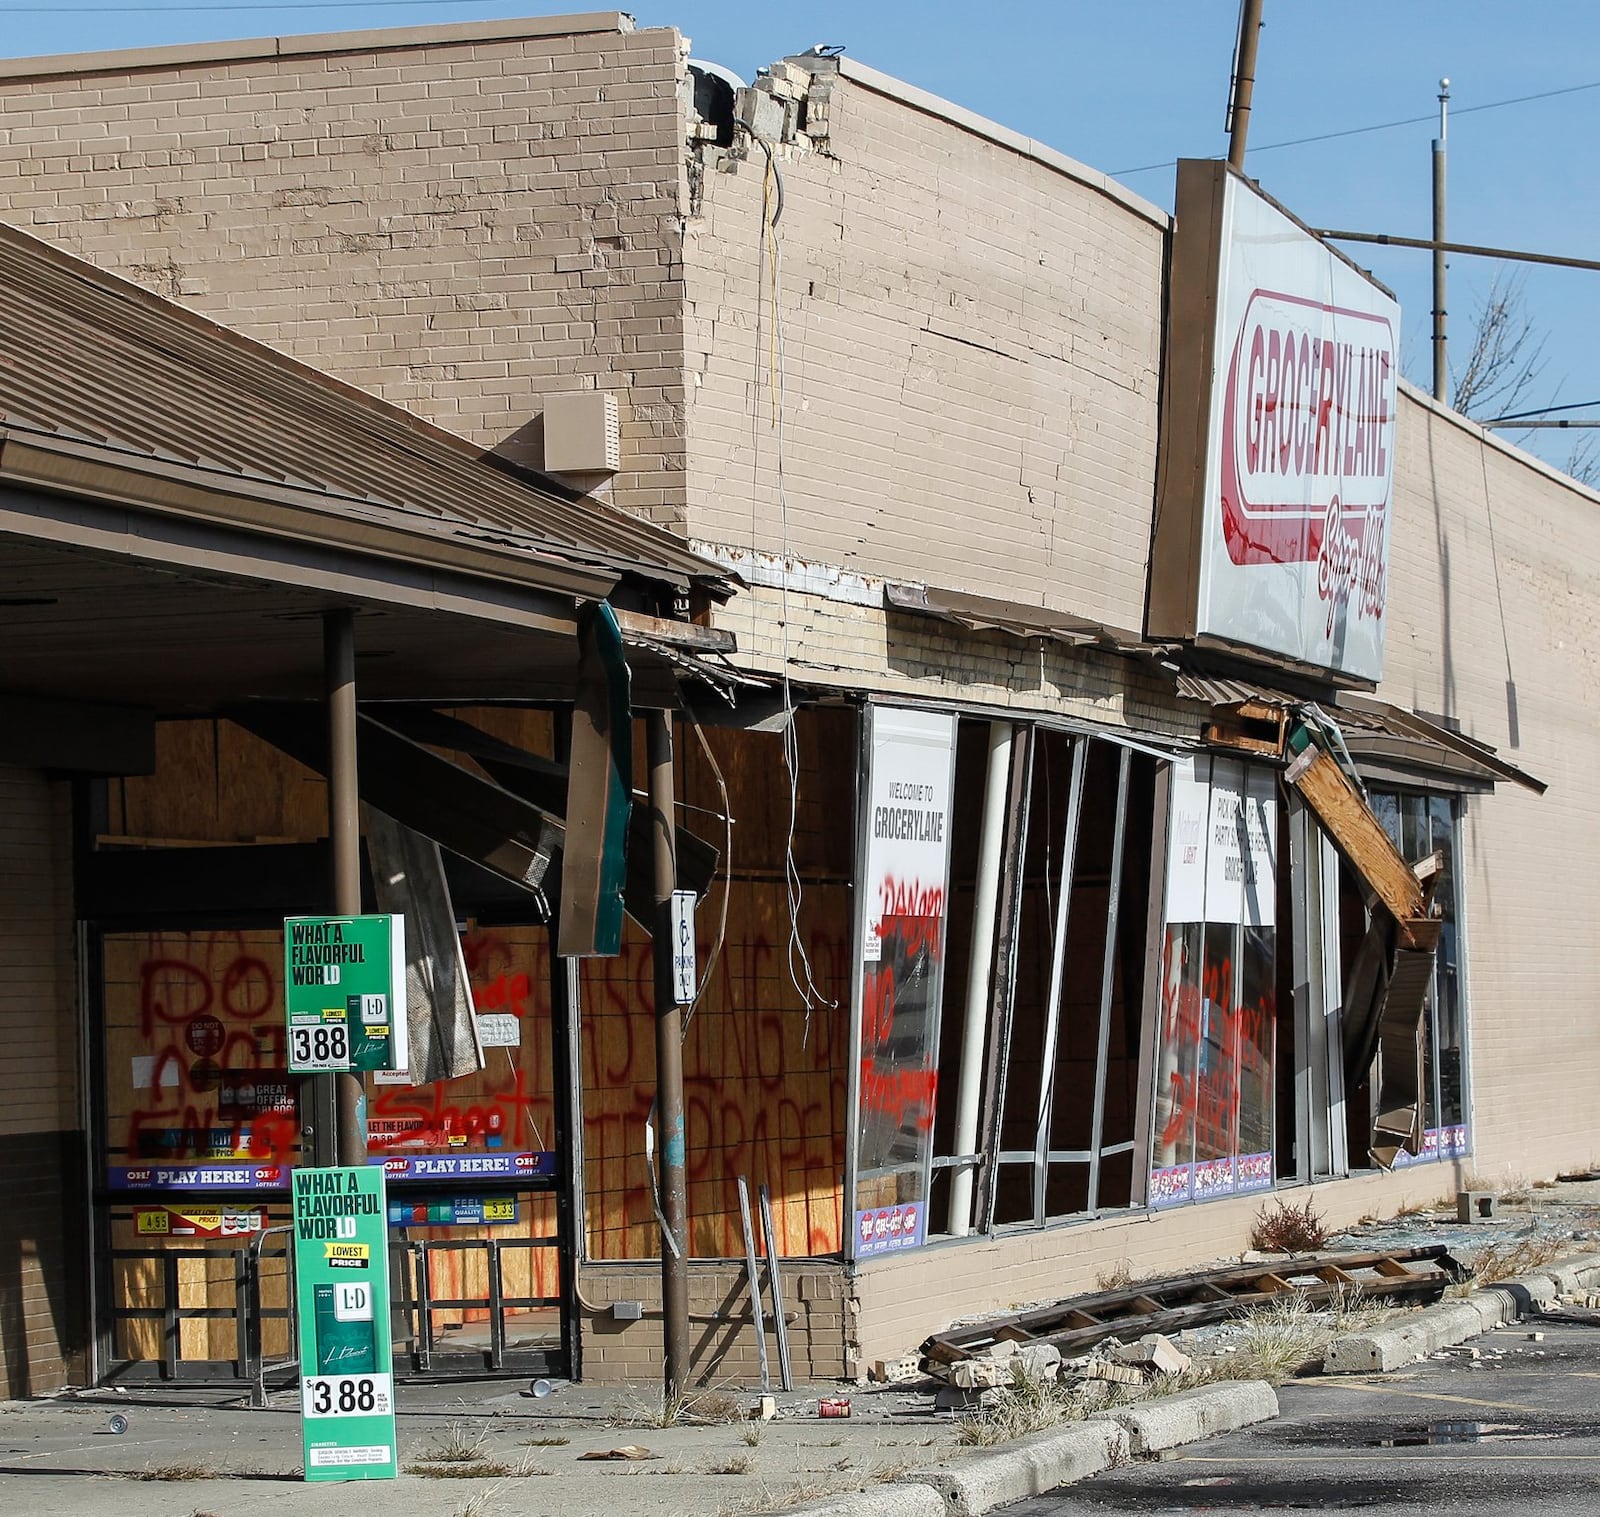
x=1357 y=131
x=1577 y=405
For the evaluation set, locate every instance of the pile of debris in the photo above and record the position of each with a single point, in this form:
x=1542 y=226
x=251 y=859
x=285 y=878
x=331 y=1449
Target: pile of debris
x=977 y=1381
x=1120 y=1337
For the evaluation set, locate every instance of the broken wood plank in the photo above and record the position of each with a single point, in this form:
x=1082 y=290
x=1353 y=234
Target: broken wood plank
x=1356 y=832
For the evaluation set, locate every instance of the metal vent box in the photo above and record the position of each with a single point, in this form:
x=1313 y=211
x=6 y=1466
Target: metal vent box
x=581 y=435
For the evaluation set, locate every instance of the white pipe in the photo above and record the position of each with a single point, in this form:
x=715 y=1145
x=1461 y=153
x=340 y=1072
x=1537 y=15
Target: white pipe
x=975 y=1027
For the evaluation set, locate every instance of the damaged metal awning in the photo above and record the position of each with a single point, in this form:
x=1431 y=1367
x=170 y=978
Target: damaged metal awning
x=982 y=613
x=511 y=822
x=1386 y=742
x=470 y=816
x=1329 y=748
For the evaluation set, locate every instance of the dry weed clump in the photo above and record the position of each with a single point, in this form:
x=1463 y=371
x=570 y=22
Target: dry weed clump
x=1282 y=1337
x=1288 y=1229
x=1506 y=1260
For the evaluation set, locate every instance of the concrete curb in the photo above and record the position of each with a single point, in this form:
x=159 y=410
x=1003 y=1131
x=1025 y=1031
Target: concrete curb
x=1189 y=1416
x=1453 y=1322
x=1029 y=1467
x=1058 y=1456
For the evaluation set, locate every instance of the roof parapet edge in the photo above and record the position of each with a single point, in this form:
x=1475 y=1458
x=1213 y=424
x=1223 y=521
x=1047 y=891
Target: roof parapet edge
x=1002 y=136
x=382 y=39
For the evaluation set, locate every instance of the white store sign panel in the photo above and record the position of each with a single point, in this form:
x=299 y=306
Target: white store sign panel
x=1297 y=393
x=1222 y=843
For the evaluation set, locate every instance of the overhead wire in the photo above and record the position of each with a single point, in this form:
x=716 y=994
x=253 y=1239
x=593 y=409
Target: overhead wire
x=1380 y=126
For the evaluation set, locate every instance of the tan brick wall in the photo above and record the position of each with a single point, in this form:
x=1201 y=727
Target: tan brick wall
x=971 y=351
x=833 y=643
x=1495 y=575
x=460 y=227
x=721 y=1329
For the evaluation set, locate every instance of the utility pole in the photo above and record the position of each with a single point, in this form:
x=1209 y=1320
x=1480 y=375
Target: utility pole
x=672 y=1184
x=347 y=1142
x=1441 y=371
x=1244 y=82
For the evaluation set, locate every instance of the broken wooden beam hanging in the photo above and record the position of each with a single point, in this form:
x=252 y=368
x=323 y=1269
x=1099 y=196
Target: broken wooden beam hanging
x=1355 y=831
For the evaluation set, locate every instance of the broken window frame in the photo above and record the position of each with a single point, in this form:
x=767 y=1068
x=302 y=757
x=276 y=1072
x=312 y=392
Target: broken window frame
x=1452 y=905
x=1042 y=1158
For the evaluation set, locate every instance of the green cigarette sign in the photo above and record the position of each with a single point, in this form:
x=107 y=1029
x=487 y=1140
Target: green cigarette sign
x=345 y=989
x=341 y=1265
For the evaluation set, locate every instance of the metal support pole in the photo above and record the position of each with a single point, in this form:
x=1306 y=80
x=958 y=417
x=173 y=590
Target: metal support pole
x=349 y=1144
x=974 y=1029
x=669 y=1070
x=1441 y=370
x=1108 y=979
x=1244 y=82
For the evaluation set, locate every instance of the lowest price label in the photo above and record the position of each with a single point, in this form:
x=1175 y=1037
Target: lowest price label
x=346 y=1395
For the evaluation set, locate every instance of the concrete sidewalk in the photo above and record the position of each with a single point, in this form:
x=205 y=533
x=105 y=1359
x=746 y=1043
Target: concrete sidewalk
x=208 y=1455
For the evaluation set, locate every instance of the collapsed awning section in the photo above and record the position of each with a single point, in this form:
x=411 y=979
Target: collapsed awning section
x=1388 y=987
x=1330 y=747
x=1389 y=742
x=1385 y=742
x=511 y=823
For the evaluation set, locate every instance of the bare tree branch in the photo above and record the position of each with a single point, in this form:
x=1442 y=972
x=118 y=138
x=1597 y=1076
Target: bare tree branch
x=1506 y=356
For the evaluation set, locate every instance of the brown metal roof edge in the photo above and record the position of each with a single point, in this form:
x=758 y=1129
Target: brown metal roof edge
x=184 y=336
x=44 y=461
x=1413 y=725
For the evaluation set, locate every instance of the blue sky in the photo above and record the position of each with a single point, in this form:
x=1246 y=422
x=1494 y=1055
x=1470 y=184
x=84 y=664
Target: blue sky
x=1124 y=86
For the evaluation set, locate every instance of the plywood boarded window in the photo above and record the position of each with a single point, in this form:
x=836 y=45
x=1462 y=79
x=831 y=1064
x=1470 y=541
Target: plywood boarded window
x=764 y=1080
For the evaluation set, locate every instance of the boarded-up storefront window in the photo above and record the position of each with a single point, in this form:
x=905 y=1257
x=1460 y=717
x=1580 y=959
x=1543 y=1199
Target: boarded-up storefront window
x=1214 y=1073
x=763 y=1075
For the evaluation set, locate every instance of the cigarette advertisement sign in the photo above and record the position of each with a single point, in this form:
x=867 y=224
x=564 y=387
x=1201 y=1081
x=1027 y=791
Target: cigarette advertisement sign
x=904 y=904
x=1277 y=453
x=345 y=990
x=341 y=1263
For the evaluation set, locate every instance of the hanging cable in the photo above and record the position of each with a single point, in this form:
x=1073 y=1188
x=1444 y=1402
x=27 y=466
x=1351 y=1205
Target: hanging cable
x=769 y=309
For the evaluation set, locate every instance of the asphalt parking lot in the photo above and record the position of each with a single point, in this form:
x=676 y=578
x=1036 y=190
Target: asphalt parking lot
x=1516 y=1430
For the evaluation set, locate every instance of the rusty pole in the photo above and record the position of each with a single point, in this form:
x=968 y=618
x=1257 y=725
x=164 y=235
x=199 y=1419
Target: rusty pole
x=672 y=1185
x=1244 y=82
x=349 y=1145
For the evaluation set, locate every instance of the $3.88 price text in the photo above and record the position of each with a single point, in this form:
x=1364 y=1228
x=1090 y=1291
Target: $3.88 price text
x=346 y=1396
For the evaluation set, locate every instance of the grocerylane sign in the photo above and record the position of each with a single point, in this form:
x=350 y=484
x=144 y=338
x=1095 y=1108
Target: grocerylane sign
x=345 y=990
x=1274 y=522
x=341 y=1263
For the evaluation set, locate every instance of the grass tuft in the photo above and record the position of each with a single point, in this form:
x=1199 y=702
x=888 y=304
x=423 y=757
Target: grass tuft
x=1280 y=1338
x=181 y=1470
x=460 y=1443
x=733 y=1464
